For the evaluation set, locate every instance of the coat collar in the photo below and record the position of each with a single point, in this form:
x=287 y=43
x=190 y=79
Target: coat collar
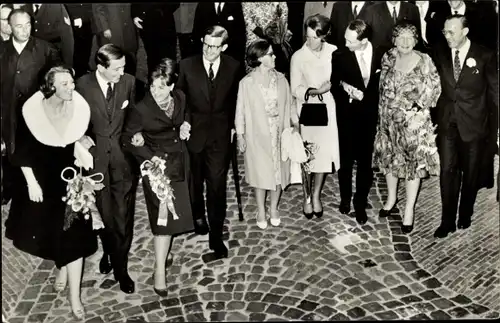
x=41 y=128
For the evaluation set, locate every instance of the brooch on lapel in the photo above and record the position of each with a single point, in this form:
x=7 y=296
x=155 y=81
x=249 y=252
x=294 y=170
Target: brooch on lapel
x=124 y=105
x=471 y=62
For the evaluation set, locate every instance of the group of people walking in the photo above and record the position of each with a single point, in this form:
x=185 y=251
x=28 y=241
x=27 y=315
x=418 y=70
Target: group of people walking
x=376 y=103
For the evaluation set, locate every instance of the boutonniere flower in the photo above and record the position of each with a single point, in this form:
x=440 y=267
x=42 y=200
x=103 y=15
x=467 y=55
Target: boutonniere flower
x=125 y=104
x=230 y=18
x=471 y=62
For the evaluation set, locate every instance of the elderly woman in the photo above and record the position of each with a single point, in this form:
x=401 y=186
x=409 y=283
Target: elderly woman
x=156 y=127
x=310 y=73
x=405 y=141
x=262 y=113
x=54 y=119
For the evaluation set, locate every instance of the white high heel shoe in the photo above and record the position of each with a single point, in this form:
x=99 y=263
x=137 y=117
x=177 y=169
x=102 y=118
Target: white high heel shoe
x=275 y=221
x=261 y=224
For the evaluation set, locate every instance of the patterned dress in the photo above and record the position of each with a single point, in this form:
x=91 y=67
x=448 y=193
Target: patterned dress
x=405 y=141
x=270 y=95
x=261 y=14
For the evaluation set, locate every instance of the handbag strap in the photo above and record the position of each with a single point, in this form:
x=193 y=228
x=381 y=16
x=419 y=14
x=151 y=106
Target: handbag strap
x=306 y=95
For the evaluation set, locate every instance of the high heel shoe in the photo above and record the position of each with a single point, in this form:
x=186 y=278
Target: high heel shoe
x=406 y=228
x=159 y=292
x=78 y=313
x=261 y=224
x=385 y=213
x=320 y=213
x=275 y=221
x=308 y=216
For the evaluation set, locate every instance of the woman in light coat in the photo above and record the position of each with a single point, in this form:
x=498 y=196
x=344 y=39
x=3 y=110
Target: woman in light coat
x=263 y=111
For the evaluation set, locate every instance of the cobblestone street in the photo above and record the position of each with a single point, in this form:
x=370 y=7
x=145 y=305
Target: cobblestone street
x=321 y=269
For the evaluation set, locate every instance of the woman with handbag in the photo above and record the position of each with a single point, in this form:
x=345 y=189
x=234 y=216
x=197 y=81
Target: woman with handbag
x=262 y=113
x=310 y=73
x=156 y=127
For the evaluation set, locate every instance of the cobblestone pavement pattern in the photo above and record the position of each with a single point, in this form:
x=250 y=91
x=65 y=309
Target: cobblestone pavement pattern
x=321 y=269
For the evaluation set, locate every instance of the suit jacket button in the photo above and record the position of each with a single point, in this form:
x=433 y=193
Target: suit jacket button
x=175 y=140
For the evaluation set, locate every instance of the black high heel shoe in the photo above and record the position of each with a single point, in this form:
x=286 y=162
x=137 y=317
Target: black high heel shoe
x=159 y=292
x=320 y=213
x=385 y=213
x=406 y=228
x=308 y=216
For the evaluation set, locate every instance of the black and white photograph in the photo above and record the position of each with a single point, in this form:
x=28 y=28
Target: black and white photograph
x=250 y=161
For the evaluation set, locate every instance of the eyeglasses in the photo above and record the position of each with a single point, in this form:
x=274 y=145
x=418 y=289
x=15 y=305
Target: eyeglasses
x=212 y=46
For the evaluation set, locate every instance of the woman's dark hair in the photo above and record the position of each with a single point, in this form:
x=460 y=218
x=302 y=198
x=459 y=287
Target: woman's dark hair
x=319 y=23
x=363 y=29
x=47 y=87
x=107 y=53
x=256 y=50
x=166 y=69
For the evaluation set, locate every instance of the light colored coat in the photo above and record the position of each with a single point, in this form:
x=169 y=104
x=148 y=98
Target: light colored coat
x=251 y=120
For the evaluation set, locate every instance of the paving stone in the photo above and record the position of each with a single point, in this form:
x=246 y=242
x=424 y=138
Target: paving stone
x=373 y=307
x=461 y=299
x=429 y=294
x=388 y=315
x=476 y=309
x=257 y=317
x=373 y=286
x=440 y=315
x=276 y=309
x=293 y=314
x=235 y=305
x=307 y=305
x=339 y=317
x=326 y=311
x=356 y=313
x=401 y=290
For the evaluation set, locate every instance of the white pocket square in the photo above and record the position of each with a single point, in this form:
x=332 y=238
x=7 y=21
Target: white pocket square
x=377 y=71
x=230 y=18
x=125 y=104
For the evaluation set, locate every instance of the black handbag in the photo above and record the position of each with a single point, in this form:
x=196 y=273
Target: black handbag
x=313 y=114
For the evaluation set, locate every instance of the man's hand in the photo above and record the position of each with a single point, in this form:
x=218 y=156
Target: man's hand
x=325 y=87
x=78 y=22
x=107 y=34
x=138 y=140
x=233 y=131
x=242 y=144
x=35 y=192
x=185 y=131
x=137 y=22
x=353 y=92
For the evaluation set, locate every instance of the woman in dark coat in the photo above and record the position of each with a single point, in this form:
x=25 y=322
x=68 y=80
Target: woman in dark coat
x=156 y=127
x=53 y=120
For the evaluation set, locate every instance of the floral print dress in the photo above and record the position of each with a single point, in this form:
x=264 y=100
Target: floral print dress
x=270 y=95
x=405 y=141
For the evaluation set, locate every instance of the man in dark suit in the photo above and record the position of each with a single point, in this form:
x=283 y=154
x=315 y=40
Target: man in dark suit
x=228 y=15
x=51 y=22
x=81 y=20
x=296 y=23
x=210 y=82
x=343 y=13
x=110 y=92
x=384 y=15
x=430 y=33
x=469 y=79
x=113 y=24
x=23 y=61
x=357 y=66
x=156 y=25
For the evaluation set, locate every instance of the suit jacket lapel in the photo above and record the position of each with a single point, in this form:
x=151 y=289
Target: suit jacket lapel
x=356 y=68
x=465 y=68
x=98 y=95
x=448 y=64
x=200 y=70
x=117 y=89
x=220 y=80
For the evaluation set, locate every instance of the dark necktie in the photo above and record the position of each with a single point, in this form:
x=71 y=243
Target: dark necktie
x=355 y=11
x=456 y=66
x=456 y=12
x=109 y=92
x=211 y=73
x=394 y=14
x=219 y=9
x=37 y=7
x=324 y=4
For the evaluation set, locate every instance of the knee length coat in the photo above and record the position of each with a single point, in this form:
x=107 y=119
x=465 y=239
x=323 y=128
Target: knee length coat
x=252 y=121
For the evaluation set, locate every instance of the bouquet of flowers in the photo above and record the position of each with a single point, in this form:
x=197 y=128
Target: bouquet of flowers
x=277 y=33
x=310 y=149
x=160 y=185
x=80 y=198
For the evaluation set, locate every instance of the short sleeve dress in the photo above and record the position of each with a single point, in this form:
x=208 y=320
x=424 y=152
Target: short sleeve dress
x=37 y=228
x=405 y=141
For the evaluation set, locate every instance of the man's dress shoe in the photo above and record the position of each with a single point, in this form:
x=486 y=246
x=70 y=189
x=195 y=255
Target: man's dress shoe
x=361 y=216
x=463 y=223
x=200 y=226
x=126 y=283
x=344 y=207
x=105 y=264
x=443 y=231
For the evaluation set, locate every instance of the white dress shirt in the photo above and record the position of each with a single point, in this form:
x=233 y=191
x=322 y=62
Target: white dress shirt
x=36 y=4
x=462 y=53
x=217 y=4
x=367 y=57
x=103 y=84
x=461 y=9
x=359 y=5
x=423 y=7
x=215 y=67
x=390 y=6
x=19 y=46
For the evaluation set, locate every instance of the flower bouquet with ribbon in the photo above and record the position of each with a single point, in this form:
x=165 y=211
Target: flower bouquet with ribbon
x=154 y=169
x=80 y=198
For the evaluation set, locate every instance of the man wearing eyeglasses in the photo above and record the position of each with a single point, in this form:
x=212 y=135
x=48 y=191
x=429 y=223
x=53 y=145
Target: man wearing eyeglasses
x=210 y=83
